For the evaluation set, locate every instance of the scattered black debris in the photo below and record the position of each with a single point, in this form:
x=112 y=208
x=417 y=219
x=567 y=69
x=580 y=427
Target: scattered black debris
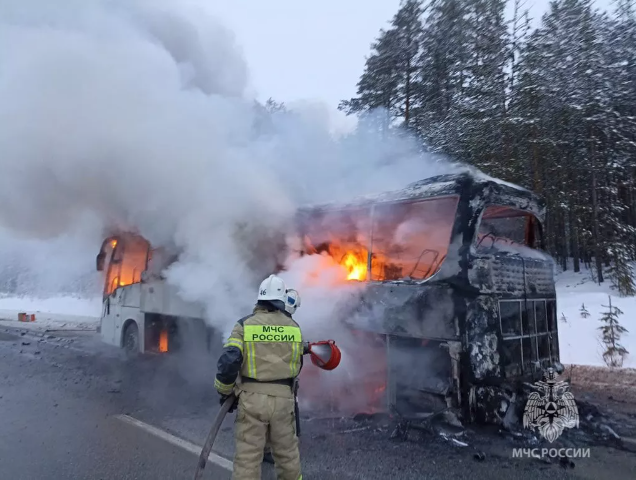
x=479 y=456
x=114 y=390
x=26 y=343
x=22 y=334
x=371 y=417
x=566 y=462
x=37 y=352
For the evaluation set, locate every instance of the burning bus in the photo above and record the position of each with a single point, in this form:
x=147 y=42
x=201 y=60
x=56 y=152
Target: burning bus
x=141 y=312
x=455 y=305
x=457 y=294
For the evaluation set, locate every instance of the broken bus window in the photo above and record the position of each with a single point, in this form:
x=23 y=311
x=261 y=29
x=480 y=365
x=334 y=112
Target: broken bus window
x=410 y=240
x=505 y=228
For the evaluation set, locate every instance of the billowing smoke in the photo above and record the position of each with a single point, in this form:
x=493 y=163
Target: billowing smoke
x=133 y=114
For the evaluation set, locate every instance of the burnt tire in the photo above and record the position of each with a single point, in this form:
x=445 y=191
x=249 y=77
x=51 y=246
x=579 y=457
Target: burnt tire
x=130 y=342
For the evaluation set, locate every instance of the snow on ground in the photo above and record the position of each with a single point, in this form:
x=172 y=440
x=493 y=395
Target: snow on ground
x=579 y=338
x=55 y=313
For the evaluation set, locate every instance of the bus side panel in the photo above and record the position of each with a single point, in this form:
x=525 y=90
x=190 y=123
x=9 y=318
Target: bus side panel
x=159 y=297
x=419 y=311
x=132 y=295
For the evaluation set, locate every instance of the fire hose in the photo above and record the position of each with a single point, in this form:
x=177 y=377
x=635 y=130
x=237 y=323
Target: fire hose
x=325 y=355
x=207 y=446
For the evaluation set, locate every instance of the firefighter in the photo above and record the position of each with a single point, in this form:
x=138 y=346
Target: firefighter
x=259 y=363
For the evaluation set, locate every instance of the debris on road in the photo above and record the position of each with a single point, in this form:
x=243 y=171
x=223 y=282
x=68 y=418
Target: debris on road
x=479 y=456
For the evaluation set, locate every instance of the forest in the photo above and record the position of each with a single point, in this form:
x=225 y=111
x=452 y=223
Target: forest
x=549 y=105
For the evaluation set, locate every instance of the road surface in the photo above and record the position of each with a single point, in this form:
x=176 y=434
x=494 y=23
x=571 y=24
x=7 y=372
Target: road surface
x=74 y=408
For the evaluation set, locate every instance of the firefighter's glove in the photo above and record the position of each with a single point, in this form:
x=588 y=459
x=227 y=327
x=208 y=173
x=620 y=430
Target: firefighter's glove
x=233 y=406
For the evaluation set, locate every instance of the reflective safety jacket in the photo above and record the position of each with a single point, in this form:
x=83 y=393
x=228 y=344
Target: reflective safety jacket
x=265 y=346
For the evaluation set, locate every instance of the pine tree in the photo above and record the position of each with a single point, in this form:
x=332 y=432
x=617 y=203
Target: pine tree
x=442 y=62
x=272 y=106
x=584 y=312
x=482 y=108
x=621 y=271
x=611 y=335
x=390 y=78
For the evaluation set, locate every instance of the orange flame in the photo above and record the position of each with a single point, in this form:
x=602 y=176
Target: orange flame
x=163 y=341
x=356 y=268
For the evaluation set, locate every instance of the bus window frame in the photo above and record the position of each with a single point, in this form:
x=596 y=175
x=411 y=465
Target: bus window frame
x=531 y=221
x=370 y=210
x=453 y=223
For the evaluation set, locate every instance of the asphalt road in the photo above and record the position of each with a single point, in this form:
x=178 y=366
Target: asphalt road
x=61 y=423
x=64 y=399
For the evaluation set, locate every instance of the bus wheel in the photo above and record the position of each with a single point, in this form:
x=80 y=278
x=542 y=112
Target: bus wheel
x=131 y=340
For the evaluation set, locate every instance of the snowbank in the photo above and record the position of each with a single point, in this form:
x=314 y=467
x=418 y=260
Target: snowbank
x=88 y=307
x=55 y=313
x=579 y=337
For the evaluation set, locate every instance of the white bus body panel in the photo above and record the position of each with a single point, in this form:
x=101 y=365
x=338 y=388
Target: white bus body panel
x=132 y=302
x=159 y=297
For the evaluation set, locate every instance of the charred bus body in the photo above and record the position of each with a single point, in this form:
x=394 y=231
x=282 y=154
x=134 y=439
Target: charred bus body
x=458 y=292
x=141 y=312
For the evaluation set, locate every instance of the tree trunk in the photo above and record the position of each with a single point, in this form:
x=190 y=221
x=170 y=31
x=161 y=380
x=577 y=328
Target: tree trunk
x=595 y=226
x=407 y=94
x=574 y=239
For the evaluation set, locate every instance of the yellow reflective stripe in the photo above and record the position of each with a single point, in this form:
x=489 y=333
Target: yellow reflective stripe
x=251 y=364
x=299 y=356
x=222 y=387
x=271 y=333
x=292 y=364
x=234 y=342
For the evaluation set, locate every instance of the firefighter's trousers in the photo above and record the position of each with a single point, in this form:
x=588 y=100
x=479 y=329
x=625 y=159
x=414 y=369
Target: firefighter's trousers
x=261 y=417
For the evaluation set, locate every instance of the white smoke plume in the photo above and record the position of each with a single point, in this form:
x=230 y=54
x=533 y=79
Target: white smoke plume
x=135 y=114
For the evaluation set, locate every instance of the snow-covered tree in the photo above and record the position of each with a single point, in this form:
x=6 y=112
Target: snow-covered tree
x=611 y=333
x=391 y=72
x=620 y=271
x=584 y=312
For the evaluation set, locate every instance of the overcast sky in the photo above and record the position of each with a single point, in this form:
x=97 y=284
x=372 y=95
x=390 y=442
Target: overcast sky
x=313 y=49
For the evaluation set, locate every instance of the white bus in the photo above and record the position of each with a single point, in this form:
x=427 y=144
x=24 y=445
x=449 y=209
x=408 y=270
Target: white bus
x=141 y=313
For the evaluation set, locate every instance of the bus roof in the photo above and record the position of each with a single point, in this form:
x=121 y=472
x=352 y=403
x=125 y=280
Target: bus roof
x=481 y=185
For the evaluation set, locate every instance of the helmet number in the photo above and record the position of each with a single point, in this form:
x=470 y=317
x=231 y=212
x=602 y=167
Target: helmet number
x=263 y=292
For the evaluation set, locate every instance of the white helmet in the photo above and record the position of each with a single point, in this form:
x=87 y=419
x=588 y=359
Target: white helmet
x=273 y=288
x=292 y=302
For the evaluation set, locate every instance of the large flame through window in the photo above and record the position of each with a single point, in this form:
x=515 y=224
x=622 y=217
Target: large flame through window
x=126 y=257
x=357 y=268
x=407 y=240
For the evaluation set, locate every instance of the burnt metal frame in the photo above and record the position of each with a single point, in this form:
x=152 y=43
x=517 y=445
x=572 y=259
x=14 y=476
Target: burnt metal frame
x=547 y=333
x=475 y=193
